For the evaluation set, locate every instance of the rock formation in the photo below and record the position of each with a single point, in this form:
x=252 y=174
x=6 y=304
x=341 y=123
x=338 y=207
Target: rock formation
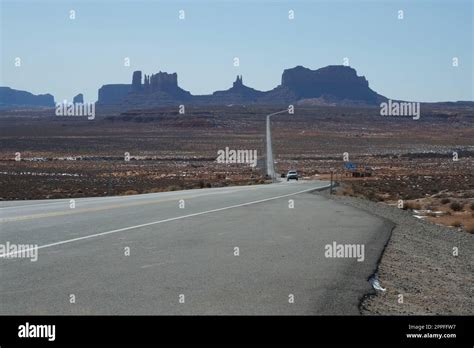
x=237 y=94
x=238 y=83
x=113 y=94
x=11 y=98
x=336 y=82
x=332 y=85
x=137 y=81
x=159 y=89
x=78 y=99
x=165 y=83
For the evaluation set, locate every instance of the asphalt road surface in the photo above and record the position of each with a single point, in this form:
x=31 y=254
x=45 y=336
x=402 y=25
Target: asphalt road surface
x=269 y=149
x=269 y=154
x=238 y=250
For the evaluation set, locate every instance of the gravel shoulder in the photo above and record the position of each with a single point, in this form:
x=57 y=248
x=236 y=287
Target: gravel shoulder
x=418 y=268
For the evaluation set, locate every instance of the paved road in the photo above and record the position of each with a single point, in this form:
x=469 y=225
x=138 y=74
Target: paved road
x=269 y=148
x=188 y=251
x=269 y=154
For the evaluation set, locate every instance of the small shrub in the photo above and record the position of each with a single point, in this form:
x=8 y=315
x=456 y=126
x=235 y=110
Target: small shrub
x=371 y=195
x=412 y=205
x=472 y=206
x=348 y=191
x=469 y=227
x=130 y=192
x=445 y=201
x=456 y=223
x=455 y=206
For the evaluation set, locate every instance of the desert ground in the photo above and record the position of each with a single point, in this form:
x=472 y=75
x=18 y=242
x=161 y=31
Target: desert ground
x=410 y=161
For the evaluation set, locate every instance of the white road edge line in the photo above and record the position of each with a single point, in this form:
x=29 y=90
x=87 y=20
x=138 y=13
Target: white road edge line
x=161 y=221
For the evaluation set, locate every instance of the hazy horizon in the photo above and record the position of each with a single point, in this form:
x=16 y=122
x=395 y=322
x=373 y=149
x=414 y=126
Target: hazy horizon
x=406 y=59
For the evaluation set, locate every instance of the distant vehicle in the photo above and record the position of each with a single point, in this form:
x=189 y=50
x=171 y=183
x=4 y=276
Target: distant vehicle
x=292 y=174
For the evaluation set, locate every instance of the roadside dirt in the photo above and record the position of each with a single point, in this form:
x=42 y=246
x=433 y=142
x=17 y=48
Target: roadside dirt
x=426 y=269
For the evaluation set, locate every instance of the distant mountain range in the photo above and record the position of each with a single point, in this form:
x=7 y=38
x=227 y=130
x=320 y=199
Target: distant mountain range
x=14 y=98
x=332 y=85
x=335 y=85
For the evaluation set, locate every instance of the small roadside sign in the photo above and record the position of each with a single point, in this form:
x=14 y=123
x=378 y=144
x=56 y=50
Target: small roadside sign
x=350 y=165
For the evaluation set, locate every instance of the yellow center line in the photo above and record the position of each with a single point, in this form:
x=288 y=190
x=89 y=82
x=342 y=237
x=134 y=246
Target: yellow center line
x=105 y=207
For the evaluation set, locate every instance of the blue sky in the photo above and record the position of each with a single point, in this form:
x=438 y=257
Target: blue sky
x=408 y=59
